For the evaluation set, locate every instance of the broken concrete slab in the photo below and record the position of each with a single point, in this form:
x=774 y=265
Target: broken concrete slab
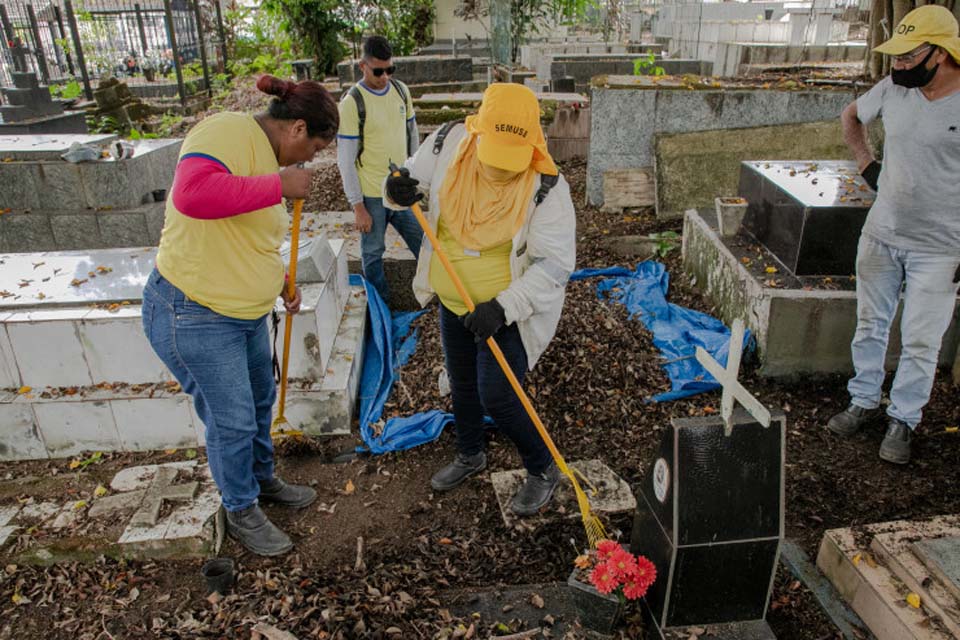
x=872 y=588
x=942 y=558
x=613 y=495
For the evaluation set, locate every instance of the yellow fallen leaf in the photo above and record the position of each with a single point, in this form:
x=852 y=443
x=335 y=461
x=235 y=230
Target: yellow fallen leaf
x=169 y=452
x=856 y=559
x=100 y=491
x=913 y=600
x=952 y=429
x=74 y=464
x=79 y=504
x=582 y=562
x=771 y=269
x=350 y=488
x=445 y=541
x=23 y=390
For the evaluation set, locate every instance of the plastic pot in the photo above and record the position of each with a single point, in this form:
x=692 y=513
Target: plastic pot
x=730 y=213
x=219 y=574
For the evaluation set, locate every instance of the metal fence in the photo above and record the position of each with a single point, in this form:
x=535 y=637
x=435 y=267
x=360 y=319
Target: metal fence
x=140 y=41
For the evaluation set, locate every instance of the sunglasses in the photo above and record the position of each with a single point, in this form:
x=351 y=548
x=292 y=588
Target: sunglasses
x=907 y=57
x=392 y=69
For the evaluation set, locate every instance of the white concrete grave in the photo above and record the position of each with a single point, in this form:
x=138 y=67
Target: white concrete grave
x=47 y=146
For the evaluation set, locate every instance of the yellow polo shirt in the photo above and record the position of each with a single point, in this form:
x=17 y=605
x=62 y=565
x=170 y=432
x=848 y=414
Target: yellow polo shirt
x=231 y=265
x=484 y=273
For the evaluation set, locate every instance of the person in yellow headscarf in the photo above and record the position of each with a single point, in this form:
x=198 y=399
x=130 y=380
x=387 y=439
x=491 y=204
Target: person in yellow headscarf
x=505 y=219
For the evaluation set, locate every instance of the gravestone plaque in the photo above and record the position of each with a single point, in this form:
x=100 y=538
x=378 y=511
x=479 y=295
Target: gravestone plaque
x=808 y=214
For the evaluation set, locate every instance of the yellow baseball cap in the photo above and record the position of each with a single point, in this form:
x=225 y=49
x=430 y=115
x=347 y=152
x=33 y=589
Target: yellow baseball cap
x=930 y=23
x=509 y=133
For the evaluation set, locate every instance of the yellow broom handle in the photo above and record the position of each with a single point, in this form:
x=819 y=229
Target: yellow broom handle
x=291 y=290
x=491 y=343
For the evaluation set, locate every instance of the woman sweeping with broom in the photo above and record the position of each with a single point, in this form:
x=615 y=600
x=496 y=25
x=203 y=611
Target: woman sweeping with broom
x=218 y=275
x=505 y=219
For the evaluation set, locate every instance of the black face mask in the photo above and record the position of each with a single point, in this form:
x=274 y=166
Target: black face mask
x=918 y=76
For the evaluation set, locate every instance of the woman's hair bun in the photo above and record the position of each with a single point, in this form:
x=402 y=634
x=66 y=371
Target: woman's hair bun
x=275 y=86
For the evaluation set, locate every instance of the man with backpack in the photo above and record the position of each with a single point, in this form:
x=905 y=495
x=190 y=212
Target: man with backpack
x=377 y=127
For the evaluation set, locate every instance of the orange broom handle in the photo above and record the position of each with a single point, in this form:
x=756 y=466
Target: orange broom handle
x=491 y=343
x=291 y=290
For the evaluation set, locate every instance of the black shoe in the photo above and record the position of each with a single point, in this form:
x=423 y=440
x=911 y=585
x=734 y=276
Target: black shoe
x=457 y=471
x=253 y=529
x=289 y=495
x=895 y=447
x=849 y=421
x=536 y=491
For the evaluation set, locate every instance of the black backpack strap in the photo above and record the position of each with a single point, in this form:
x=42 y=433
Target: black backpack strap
x=546 y=183
x=403 y=96
x=442 y=135
x=361 y=118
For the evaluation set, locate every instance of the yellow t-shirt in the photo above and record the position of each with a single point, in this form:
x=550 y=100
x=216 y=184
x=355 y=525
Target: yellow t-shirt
x=384 y=133
x=231 y=265
x=484 y=273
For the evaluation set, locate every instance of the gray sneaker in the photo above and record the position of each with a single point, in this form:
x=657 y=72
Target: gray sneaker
x=895 y=447
x=288 y=495
x=536 y=491
x=849 y=421
x=456 y=472
x=253 y=529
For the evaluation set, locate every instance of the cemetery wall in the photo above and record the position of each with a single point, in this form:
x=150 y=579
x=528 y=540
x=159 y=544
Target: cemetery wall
x=417 y=69
x=627 y=116
x=797 y=332
x=583 y=68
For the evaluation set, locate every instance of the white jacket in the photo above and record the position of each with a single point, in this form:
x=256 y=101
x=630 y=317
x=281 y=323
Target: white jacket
x=542 y=259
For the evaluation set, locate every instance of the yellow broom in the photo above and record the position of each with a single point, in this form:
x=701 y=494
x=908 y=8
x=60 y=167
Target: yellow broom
x=591 y=522
x=278 y=432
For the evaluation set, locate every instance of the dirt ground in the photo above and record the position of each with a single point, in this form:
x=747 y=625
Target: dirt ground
x=418 y=547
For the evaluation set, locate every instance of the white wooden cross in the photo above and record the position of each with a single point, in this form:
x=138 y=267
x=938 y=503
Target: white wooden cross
x=732 y=389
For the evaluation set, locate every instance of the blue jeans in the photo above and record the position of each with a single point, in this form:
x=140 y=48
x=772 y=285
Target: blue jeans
x=928 y=303
x=226 y=365
x=372 y=244
x=478 y=384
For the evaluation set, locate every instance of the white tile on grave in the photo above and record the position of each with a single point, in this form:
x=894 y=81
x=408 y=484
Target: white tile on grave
x=111 y=505
x=67 y=516
x=20 y=438
x=613 y=494
x=154 y=423
x=9 y=373
x=8 y=512
x=134 y=535
x=47 y=348
x=117 y=350
x=71 y=427
x=134 y=478
x=188 y=521
x=39 y=512
x=6 y=533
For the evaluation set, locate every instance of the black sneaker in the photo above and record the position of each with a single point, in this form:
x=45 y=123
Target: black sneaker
x=456 y=472
x=849 y=421
x=253 y=529
x=895 y=447
x=536 y=491
x=288 y=495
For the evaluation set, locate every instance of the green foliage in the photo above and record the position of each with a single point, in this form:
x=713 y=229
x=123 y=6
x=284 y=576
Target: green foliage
x=70 y=91
x=316 y=26
x=104 y=124
x=167 y=123
x=136 y=134
x=666 y=241
x=256 y=41
x=407 y=24
x=647 y=66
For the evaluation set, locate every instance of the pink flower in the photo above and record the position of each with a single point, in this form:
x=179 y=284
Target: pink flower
x=606 y=548
x=646 y=572
x=622 y=563
x=633 y=590
x=603 y=579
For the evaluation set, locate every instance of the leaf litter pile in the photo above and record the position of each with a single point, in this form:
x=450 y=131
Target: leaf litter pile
x=382 y=556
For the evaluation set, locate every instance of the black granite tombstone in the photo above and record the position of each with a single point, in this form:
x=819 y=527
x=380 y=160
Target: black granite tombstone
x=29 y=108
x=565 y=84
x=710 y=517
x=808 y=214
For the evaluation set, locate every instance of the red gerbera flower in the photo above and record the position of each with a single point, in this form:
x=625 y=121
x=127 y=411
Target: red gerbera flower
x=646 y=572
x=603 y=579
x=622 y=563
x=605 y=549
x=633 y=590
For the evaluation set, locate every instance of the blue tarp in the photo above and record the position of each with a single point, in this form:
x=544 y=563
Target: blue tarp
x=677 y=331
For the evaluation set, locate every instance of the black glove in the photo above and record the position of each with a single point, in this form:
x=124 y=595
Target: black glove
x=402 y=189
x=485 y=320
x=871 y=174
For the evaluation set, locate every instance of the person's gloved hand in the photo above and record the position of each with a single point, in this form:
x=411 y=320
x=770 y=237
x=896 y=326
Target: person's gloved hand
x=402 y=189
x=871 y=174
x=485 y=320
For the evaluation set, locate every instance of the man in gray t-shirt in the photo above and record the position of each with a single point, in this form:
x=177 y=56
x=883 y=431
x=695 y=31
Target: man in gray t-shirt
x=911 y=239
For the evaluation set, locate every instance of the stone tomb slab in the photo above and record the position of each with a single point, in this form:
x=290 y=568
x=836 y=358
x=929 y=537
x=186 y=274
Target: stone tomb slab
x=613 y=494
x=153 y=511
x=942 y=557
x=809 y=214
x=710 y=517
x=874 y=569
x=47 y=146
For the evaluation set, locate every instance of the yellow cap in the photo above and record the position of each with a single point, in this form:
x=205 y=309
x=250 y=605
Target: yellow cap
x=508 y=124
x=930 y=23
